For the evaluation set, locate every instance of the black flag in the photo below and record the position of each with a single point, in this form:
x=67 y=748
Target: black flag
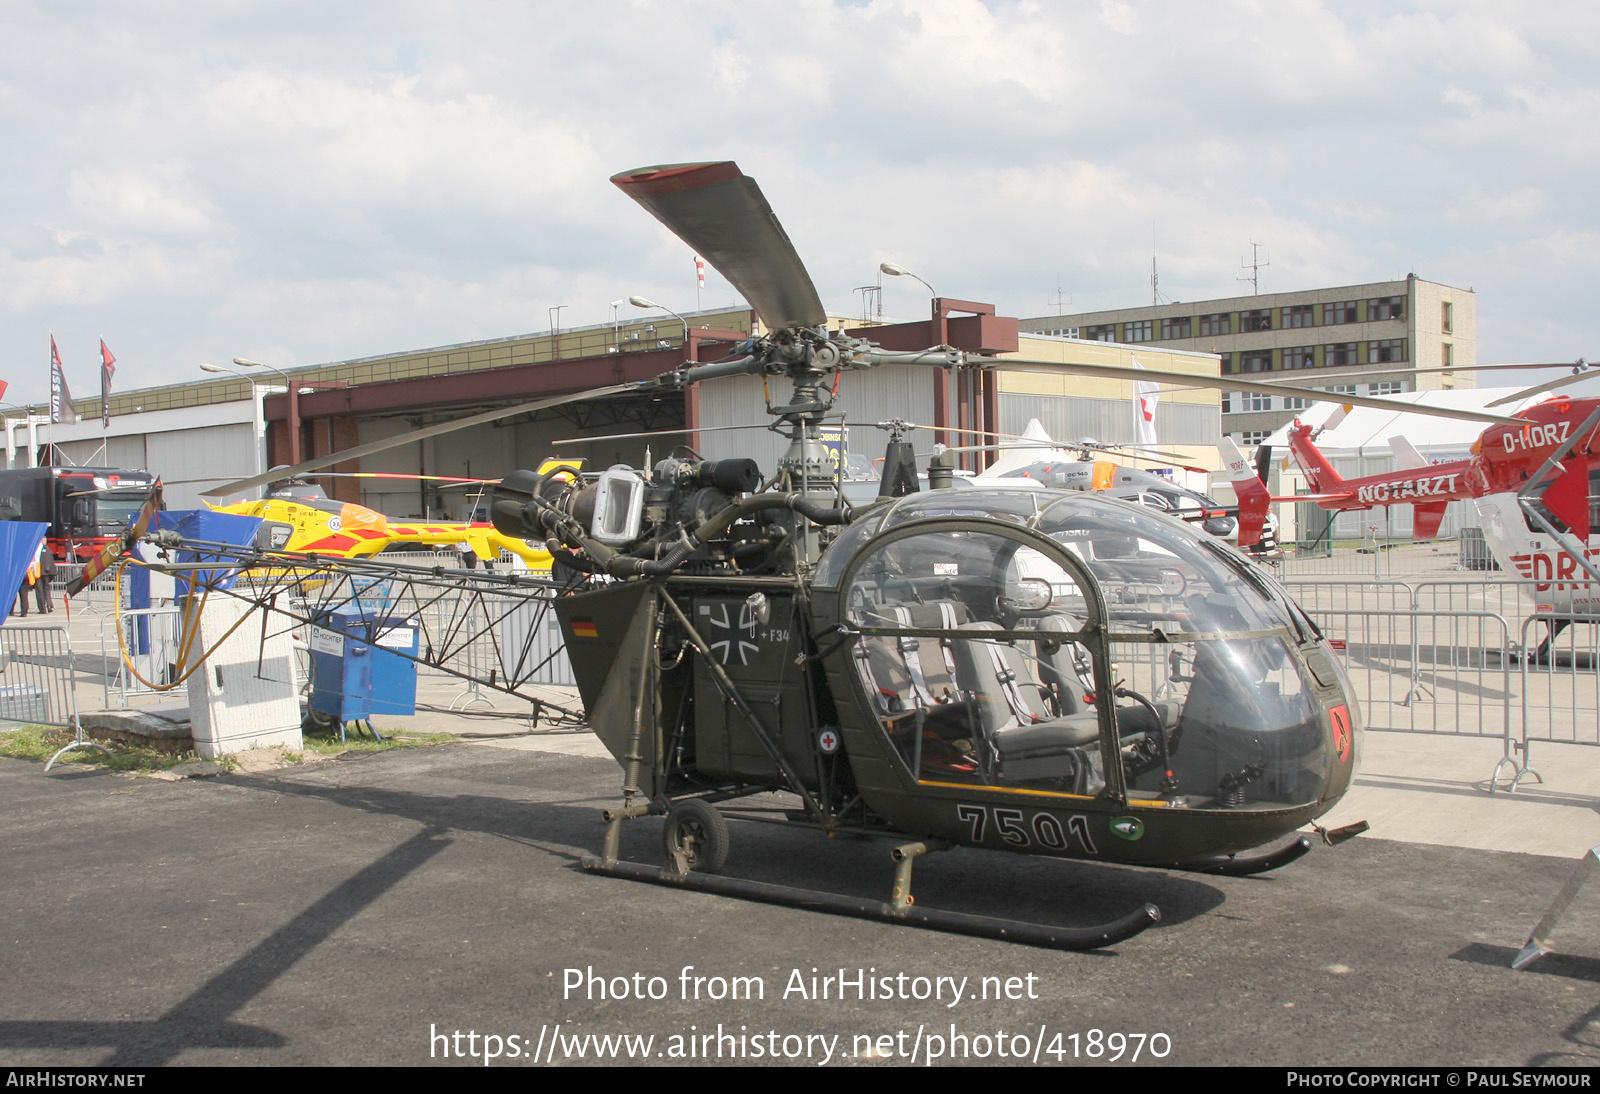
x=61 y=412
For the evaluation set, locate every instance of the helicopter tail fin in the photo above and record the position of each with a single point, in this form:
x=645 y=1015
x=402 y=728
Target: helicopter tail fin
x=1251 y=492
x=1425 y=519
x=1568 y=497
x=1318 y=471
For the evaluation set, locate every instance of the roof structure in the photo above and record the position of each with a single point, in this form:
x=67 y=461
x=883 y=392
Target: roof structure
x=1369 y=429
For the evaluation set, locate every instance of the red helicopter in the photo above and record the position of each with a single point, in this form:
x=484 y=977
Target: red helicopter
x=1533 y=483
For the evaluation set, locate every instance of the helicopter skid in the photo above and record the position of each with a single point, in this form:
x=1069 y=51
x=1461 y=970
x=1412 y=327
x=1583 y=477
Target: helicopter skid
x=1251 y=862
x=1005 y=930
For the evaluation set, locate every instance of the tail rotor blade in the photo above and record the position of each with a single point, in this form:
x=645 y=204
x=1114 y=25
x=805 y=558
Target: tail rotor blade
x=719 y=211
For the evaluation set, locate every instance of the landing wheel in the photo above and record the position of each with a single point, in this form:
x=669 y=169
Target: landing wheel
x=696 y=831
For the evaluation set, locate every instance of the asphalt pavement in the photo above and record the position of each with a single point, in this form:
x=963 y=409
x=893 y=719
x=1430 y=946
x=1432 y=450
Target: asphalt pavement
x=368 y=910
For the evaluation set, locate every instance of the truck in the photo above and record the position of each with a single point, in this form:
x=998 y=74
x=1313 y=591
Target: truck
x=84 y=507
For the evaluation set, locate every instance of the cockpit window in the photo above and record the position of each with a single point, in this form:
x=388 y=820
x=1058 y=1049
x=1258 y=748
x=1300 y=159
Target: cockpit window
x=984 y=662
x=956 y=691
x=1163 y=574
x=1015 y=506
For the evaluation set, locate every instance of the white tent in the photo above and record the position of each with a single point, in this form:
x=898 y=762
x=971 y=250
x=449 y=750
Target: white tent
x=1366 y=430
x=1359 y=445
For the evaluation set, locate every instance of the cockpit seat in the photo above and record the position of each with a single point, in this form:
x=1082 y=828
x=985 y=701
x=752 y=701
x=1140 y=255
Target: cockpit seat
x=908 y=672
x=882 y=669
x=1134 y=720
x=1022 y=741
x=1064 y=666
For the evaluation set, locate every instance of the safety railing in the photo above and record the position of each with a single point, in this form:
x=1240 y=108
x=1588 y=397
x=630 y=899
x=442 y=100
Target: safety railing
x=1559 y=674
x=150 y=637
x=1466 y=656
x=38 y=682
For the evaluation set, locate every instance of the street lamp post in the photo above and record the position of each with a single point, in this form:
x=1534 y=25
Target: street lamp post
x=942 y=395
x=642 y=302
x=294 y=405
x=258 y=395
x=691 y=352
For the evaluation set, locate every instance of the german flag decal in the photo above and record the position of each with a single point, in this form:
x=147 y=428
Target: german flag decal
x=1342 y=737
x=584 y=628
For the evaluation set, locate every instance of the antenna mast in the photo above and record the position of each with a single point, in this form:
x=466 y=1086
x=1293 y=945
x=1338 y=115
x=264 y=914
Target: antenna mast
x=1254 y=266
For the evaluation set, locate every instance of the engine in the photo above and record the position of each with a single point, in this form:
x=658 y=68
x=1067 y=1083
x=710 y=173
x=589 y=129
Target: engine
x=693 y=516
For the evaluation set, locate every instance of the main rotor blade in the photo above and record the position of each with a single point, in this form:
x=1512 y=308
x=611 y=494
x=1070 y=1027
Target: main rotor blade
x=1053 y=447
x=720 y=213
x=1343 y=371
x=1231 y=383
x=659 y=433
x=1551 y=385
x=415 y=435
x=1134 y=451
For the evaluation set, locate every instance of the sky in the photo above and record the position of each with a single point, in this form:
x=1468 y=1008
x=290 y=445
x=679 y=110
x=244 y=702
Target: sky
x=298 y=183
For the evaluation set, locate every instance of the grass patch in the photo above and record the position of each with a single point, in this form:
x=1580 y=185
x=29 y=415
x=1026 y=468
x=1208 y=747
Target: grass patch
x=39 y=743
x=325 y=742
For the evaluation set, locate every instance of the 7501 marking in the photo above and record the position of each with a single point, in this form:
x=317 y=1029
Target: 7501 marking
x=1019 y=830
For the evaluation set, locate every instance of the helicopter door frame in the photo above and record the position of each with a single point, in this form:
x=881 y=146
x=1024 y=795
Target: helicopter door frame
x=1095 y=637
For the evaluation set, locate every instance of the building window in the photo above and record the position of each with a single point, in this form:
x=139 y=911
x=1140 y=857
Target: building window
x=1390 y=349
x=1299 y=357
x=1255 y=436
x=1258 y=360
x=1227 y=362
x=1342 y=312
x=1340 y=353
x=1255 y=400
x=1294 y=402
x=1142 y=331
x=1445 y=317
x=1386 y=307
x=1343 y=389
x=1447 y=354
x=1227 y=402
x=1177 y=328
x=1255 y=320
x=1103 y=332
x=1300 y=315
x=1386 y=387
x=1216 y=324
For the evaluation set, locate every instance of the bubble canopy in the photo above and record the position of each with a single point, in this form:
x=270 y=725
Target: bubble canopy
x=1132 y=553
x=1049 y=641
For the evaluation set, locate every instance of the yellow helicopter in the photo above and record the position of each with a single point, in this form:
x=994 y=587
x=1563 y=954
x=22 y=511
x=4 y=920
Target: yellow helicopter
x=297 y=516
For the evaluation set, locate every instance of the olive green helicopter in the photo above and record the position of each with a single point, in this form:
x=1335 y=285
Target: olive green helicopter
x=1038 y=671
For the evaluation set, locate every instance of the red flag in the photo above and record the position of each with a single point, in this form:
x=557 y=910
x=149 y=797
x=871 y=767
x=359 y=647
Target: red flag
x=108 y=369
x=61 y=411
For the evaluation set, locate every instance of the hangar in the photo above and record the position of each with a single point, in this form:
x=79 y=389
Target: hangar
x=231 y=425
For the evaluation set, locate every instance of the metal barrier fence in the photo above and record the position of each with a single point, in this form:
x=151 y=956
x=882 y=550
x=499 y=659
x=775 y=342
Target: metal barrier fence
x=38 y=681
x=1559 y=677
x=1386 y=558
x=1427 y=671
x=1442 y=655
x=150 y=636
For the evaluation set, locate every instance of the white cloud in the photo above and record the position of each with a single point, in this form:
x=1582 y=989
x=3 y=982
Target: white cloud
x=340 y=182
x=155 y=201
